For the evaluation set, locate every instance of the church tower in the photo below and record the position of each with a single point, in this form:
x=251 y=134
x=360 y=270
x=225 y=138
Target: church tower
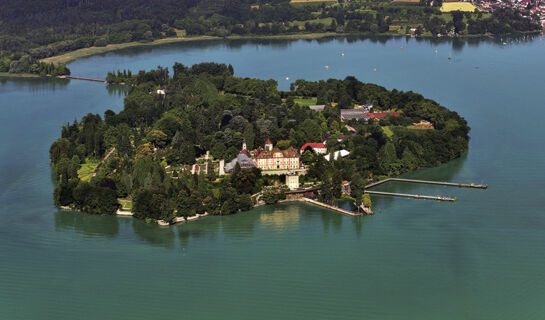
x=268 y=145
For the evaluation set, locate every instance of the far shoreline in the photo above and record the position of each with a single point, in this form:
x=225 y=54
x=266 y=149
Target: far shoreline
x=19 y=75
x=71 y=56
x=87 y=52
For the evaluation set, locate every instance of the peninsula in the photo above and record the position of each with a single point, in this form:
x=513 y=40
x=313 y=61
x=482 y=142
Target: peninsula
x=204 y=141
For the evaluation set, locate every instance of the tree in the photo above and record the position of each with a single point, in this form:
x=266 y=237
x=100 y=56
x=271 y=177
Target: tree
x=244 y=202
x=158 y=138
x=367 y=200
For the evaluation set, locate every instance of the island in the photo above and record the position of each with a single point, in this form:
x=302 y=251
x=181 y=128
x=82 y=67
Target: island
x=56 y=31
x=204 y=141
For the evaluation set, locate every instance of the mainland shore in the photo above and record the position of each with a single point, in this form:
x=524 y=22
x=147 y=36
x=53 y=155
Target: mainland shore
x=86 y=52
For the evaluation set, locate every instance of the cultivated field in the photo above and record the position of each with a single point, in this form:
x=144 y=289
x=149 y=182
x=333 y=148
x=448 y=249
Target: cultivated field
x=457 y=6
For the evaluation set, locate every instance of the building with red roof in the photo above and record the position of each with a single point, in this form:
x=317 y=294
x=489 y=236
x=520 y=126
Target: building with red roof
x=318 y=148
x=382 y=115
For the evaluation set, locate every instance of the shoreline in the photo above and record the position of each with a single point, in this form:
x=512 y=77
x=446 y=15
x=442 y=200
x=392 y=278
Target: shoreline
x=87 y=52
x=21 y=75
x=71 y=56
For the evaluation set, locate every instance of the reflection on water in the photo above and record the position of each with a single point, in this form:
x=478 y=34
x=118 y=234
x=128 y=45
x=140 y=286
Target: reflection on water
x=236 y=44
x=34 y=85
x=86 y=224
x=117 y=90
x=153 y=234
x=281 y=218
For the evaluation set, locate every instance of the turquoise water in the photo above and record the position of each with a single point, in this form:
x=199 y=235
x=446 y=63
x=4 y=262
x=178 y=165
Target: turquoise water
x=479 y=258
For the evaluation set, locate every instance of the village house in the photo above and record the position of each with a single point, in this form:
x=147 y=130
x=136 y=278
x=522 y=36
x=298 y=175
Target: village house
x=382 y=115
x=349 y=114
x=318 y=148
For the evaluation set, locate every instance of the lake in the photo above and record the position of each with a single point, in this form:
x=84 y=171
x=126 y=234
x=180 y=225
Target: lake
x=479 y=258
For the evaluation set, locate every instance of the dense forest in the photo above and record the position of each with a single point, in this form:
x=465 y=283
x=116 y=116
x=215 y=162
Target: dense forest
x=44 y=28
x=172 y=121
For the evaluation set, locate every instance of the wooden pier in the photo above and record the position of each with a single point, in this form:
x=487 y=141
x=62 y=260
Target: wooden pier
x=414 y=196
x=452 y=184
x=83 y=78
x=325 y=205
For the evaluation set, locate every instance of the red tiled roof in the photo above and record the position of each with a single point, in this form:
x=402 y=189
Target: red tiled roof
x=313 y=145
x=244 y=151
x=382 y=115
x=268 y=141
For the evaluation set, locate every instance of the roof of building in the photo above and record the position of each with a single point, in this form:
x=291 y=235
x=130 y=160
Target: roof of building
x=243 y=161
x=382 y=115
x=354 y=114
x=318 y=107
x=343 y=153
x=288 y=153
x=313 y=145
x=268 y=141
x=246 y=152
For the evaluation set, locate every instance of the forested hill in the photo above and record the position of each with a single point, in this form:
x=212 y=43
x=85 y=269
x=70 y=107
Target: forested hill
x=44 y=28
x=169 y=123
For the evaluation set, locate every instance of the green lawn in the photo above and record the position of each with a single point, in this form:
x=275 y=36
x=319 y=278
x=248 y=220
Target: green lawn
x=418 y=128
x=85 y=173
x=388 y=131
x=125 y=204
x=180 y=33
x=306 y=101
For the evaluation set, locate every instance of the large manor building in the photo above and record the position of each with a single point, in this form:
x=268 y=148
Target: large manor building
x=272 y=158
x=269 y=158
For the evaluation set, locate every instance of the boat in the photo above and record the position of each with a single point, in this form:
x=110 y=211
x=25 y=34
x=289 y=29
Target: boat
x=326 y=66
x=342 y=54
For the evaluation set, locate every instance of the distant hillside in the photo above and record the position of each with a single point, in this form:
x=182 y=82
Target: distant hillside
x=44 y=28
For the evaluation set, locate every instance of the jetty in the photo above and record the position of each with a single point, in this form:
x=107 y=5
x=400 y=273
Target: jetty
x=83 y=78
x=325 y=205
x=442 y=183
x=408 y=195
x=420 y=196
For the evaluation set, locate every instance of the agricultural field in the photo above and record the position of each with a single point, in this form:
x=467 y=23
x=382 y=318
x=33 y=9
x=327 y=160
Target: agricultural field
x=457 y=6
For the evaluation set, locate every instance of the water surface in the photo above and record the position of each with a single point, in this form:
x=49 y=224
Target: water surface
x=479 y=258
